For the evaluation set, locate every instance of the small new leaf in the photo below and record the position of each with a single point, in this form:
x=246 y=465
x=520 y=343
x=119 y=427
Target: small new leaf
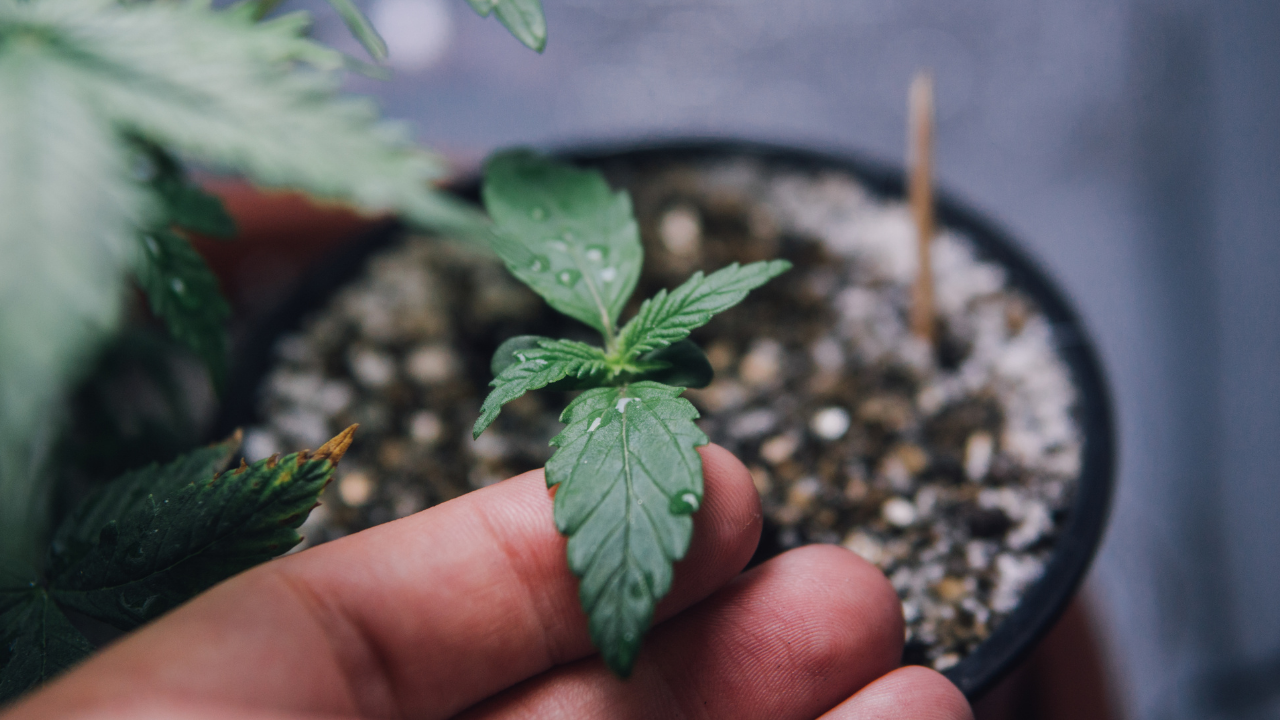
x=524 y=18
x=666 y=318
x=629 y=477
x=185 y=294
x=190 y=531
x=565 y=234
x=39 y=641
x=550 y=361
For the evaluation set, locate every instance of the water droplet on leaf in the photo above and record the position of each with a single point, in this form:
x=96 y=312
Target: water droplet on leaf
x=685 y=504
x=596 y=253
x=568 y=277
x=178 y=286
x=608 y=274
x=539 y=264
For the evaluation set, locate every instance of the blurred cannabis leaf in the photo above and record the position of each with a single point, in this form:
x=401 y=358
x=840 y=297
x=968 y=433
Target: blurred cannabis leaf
x=92 y=93
x=524 y=18
x=150 y=540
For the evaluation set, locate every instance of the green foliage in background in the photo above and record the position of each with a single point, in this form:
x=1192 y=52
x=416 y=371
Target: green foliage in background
x=627 y=471
x=150 y=540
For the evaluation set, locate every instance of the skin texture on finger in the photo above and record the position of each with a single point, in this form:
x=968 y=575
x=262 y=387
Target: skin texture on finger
x=203 y=710
x=420 y=617
x=909 y=693
x=789 y=639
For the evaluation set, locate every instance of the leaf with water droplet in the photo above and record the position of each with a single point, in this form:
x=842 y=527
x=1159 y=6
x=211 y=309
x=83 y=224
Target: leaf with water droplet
x=628 y=478
x=529 y=362
x=182 y=527
x=585 y=222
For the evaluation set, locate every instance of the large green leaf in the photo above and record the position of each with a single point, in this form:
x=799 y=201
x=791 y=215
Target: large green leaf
x=628 y=478
x=185 y=294
x=524 y=18
x=190 y=530
x=536 y=367
x=68 y=208
x=220 y=88
x=565 y=234
x=666 y=318
x=36 y=643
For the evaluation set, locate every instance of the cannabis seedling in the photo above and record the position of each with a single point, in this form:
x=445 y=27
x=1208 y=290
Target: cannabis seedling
x=626 y=470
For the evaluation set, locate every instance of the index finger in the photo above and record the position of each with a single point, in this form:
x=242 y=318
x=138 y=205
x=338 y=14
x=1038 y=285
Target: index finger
x=421 y=617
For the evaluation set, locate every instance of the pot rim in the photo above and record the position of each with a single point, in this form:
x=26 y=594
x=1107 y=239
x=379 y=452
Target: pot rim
x=1045 y=600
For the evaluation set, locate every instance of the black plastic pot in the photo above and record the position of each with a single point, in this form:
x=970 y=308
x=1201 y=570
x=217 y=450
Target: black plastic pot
x=1045 y=600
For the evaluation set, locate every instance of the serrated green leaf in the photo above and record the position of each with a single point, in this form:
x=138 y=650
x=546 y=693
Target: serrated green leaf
x=666 y=318
x=191 y=532
x=217 y=87
x=565 y=234
x=363 y=30
x=550 y=361
x=513 y=350
x=628 y=477
x=39 y=641
x=82 y=527
x=185 y=294
x=524 y=18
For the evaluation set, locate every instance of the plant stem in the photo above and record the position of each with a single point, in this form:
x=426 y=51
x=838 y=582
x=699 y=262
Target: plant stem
x=920 y=162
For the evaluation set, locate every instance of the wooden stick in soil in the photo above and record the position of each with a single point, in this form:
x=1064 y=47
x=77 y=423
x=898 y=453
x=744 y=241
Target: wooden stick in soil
x=920 y=190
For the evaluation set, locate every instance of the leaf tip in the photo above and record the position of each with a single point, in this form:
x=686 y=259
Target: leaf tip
x=337 y=446
x=243 y=466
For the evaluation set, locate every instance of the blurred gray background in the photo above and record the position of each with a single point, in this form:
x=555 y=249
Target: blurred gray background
x=1131 y=145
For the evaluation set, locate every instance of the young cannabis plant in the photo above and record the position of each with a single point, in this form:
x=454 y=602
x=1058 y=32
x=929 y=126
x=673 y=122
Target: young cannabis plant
x=626 y=468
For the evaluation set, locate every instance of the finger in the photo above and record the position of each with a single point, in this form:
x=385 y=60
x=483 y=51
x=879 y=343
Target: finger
x=790 y=639
x=170 y=709
x=421 y=617
x=909 y=693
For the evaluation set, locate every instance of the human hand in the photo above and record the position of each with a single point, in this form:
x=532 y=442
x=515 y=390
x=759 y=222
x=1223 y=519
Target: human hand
x=469 y=607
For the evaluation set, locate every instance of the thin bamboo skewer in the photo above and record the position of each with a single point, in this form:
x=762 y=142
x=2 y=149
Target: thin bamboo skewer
x=920 y=190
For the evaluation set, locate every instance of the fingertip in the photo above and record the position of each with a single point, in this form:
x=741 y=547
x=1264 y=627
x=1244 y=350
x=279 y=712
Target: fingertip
x=726 y=531
x=730 y=502
x=909 y=693
x=855 y=596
